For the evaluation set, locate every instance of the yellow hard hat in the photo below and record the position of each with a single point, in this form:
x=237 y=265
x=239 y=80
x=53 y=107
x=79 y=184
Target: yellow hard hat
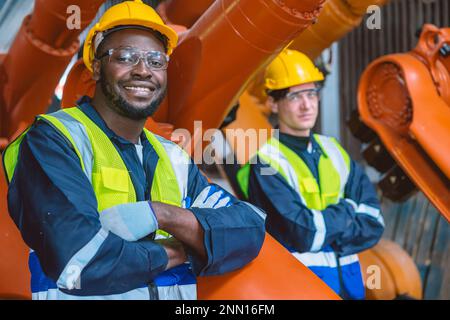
x=128 y=13
x=291 y=68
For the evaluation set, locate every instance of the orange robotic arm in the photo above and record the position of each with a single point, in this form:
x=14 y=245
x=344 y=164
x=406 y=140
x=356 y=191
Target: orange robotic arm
x=337 y=18
x=266 y=278
x=176 y=11
x=36 y=60
x=223 y=49
x=405 y=99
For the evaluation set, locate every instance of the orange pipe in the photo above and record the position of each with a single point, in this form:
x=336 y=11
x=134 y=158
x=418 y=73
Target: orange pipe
x=37 y=58
x=221 y=52
x=182 y=13
x=49 y=20
x=275 y=274
x=338 y=18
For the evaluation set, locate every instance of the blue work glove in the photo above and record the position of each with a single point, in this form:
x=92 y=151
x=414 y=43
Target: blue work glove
x=212 y=197
x=130 y=221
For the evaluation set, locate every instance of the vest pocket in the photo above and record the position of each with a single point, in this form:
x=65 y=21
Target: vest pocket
x=310 y=185
x=311 y=193
x=114 y=179
x=330 y=198
x=111 y=187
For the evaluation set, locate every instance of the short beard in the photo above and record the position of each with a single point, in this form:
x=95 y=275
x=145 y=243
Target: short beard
x=125 y=109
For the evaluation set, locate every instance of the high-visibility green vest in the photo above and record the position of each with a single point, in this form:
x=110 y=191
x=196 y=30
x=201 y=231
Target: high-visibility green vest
x=102 y=163
x=334 y=167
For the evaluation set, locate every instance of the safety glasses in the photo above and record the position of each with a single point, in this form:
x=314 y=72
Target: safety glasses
x=305 y=94
x=130 y=57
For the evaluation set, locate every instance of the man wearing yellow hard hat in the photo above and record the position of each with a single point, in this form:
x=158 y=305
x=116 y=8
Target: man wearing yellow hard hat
x=110 y=210
x=320 y=204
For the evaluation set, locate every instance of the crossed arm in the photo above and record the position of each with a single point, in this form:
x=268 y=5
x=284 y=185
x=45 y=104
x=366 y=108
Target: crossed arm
x=182 y=224
x=350 y=226
x=54 y=207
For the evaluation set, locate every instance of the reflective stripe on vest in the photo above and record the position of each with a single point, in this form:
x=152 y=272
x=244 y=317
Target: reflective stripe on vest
x=334 y=168
x=106 y=170
x=334 y=165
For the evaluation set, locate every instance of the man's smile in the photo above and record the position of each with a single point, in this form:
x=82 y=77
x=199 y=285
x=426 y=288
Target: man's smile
x=139 y=89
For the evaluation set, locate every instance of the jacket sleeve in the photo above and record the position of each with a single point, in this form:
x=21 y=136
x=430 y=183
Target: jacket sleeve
x=288 y=218
x=233 y=230
x=368 y=224
x=54 y=206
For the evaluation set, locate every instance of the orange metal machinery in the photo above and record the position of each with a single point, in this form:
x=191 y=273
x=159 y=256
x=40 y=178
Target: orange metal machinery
x=177 y=12
x=405 y=99
x=337 y=18
x=29 y=74
x=216 y=56
x=390 y=273
x=36 y=60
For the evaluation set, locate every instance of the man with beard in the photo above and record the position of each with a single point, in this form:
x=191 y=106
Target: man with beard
x=110 y=210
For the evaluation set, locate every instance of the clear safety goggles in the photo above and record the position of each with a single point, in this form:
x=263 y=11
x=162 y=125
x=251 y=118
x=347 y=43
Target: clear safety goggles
x=130 y=57
x=302 y=94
